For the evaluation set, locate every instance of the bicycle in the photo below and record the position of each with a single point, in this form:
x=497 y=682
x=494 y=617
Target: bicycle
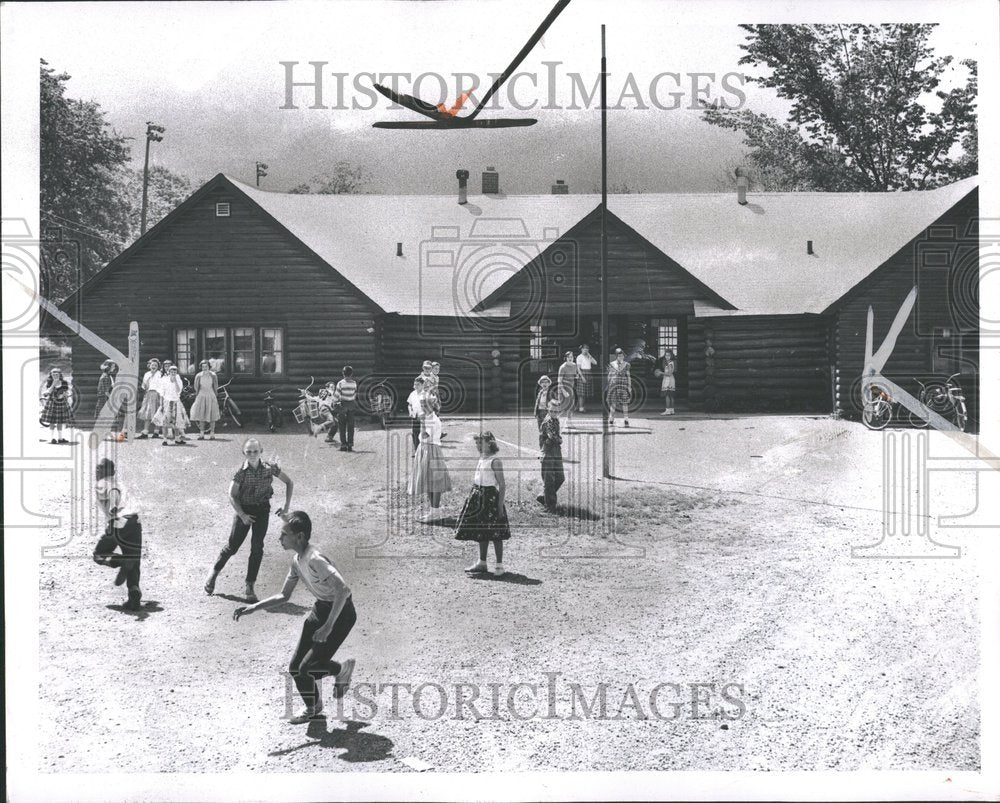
x=228 y=406
x=275 y=415
x=947 y=400
x=380 y=399
x=309 y=410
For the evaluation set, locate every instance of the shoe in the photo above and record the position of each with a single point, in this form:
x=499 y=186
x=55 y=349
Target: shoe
x=166 y=443
x=665 y=412
x=201 y=437
x=63 y=440
x=307 y=716
x=344 y=678
x=479 y=567
x=250 y=595
x=611 y=422
x=499 y=570
x=670 y=411
x=211 y=437
x=540 y=500
x=133 y=605
x=350 y=448
x=120 y=577
x=343 y=448
x=626 y=422
x=210 y=584
x=53 y=441
x=141 y=436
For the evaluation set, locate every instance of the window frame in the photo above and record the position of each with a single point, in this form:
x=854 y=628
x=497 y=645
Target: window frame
x=257 y=355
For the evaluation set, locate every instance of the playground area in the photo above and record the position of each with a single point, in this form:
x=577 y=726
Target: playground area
x=712 y=608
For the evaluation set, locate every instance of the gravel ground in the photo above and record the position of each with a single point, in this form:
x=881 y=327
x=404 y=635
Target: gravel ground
x=727 y=592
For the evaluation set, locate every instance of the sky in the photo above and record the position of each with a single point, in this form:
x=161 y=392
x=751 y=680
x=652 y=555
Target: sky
x=212 y=74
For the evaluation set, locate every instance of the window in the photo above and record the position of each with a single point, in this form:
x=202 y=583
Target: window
x=272 y=359
x=222 y=210
x=185 y=348
x=535 y=345
x=666 y=335
x=244 y=361
x=243 y=350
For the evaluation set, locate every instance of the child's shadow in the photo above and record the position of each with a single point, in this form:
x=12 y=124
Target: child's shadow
x=290 y=608
x=444 y=521
x=360 y=747
x=143 y=612
x=510 y=577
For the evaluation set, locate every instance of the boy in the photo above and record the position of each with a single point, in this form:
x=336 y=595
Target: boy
x=415 y=404
x=326 y=627
x=346 y=395
x=123 y=532
x=550 y=443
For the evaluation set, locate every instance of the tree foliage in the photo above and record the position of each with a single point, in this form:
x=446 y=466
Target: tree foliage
x=867 y=110
x=344 y=179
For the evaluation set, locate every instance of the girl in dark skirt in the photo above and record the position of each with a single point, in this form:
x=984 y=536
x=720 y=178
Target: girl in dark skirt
x=57 y=411
x=484 y=517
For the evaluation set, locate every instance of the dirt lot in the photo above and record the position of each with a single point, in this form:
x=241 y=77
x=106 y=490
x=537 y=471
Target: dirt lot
x=727 y=593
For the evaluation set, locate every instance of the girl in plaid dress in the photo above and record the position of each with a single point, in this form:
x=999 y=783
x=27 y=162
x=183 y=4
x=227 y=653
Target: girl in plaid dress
x=150 y=398
x=619 y=386
x=57 y=411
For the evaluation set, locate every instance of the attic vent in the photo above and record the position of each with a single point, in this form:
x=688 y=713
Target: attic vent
x=222 y=210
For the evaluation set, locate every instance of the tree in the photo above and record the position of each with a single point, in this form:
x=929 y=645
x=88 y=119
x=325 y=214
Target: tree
x=166 y=191
x=344 y=179
x=858 y=119
x=81 y=157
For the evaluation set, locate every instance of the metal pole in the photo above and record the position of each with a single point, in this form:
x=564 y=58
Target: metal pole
x=605 y=343
x=145 y=184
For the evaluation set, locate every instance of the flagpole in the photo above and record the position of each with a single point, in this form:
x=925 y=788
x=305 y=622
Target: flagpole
x=605 y=344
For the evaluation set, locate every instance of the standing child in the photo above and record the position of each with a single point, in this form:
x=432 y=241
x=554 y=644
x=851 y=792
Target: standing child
x=619 y=386
x=550 y=442
x=174 y=416
x=123 y=531
x=569 y=375
x=484 y=516
x=669 y=384
x=327 y=625
x=250 y=495
x=585 y=362
x=57 y=411
x=346 y=396
x=415 y=405
x=104 y=384
x=542 y=399
x=205 y=410
x=430 y=472
x=151 y=398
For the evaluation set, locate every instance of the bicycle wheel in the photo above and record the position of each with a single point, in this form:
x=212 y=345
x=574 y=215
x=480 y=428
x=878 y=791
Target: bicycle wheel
x=877 y=414
x=917 y=421
x=961 y=415
x=232 y=414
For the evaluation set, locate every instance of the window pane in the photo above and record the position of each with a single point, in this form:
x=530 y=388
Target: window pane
x=272 y=359
x=185 y=345
x=215 y=349
x=535 y=345
x=666 y=335
x=243 y=360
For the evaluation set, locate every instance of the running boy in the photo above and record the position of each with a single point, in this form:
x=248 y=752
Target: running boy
x=123 y=532
x=326 y=627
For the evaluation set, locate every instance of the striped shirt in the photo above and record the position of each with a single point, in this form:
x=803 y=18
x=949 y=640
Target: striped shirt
x=319 y=574
x=347 y=390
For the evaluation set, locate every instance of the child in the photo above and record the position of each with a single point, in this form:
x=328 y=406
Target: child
x=430 y=473
x=550 y=443
x=120 y=416
x=542 y=399
x=585 y=362
x=205 y=410
x=124 y=532
x=669 y=383
x=327 y=625
x=619 y=386
x=414 y=403
x=346 y=395
x=174 y=415
x=57 y=410
x=151 y=398
x=104 y=384
x=250 y=495
x=484 y=517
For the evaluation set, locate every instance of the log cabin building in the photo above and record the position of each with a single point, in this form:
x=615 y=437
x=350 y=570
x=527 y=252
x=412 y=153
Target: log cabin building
x=763 y=298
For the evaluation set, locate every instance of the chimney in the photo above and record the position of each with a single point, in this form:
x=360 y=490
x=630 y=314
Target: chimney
x=560 y=187
x=742 y=182
x=491 y=181
x=809 y=247
x=399 y=249
x=463 y=181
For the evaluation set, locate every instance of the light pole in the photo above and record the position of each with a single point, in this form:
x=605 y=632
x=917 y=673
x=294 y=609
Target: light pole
x=154 y=133
x=605 y=345
x=261 y=171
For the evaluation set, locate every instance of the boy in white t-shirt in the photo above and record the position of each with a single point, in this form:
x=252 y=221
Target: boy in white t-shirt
x=123 y=532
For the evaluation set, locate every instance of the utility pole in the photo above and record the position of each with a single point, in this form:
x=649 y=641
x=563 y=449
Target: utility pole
x=261 y=171
x=605 y=343
x=154 y=133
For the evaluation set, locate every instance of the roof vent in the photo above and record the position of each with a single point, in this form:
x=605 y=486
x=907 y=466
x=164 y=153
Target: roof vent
x=399 y=249
x=491 y=181
x=222 y=210
x=809 y=247
x=742 y=183
x=463 y=190
x=560 y=187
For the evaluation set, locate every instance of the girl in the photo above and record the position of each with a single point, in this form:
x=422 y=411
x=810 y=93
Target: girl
x=484 y=517
x=104 y=384
x=542 y=399
x=205 y=410
x=151 y=397
x=585 y=362
x=57 y=410
x=569 y=376
x=415 y=406
x=619 y=386
x=430 y=473
x=250 y=495
x=669 y=383
x=174 y=417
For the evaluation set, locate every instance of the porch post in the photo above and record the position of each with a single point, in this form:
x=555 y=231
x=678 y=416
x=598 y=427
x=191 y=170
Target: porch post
x=604 y=355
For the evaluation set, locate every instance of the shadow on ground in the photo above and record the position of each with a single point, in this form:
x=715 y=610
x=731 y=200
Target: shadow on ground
x=359 y=746
x=143 y=612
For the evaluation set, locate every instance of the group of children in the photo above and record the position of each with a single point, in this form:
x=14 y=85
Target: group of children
x=336 y=406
